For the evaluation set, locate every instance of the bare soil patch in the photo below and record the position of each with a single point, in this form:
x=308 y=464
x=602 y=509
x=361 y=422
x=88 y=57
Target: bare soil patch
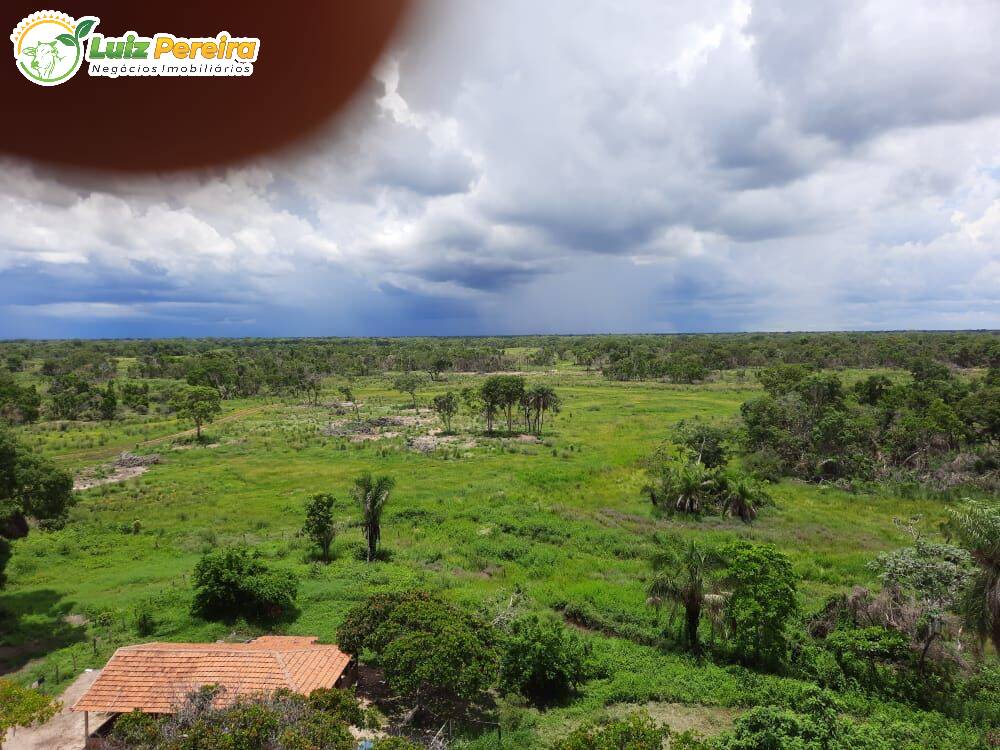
x=706 y=720
x=126 y=466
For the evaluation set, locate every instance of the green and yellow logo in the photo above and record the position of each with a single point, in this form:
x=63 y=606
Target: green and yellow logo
x=48 y=46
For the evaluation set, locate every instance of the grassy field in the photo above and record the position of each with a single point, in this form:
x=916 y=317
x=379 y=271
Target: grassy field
x=561 y=523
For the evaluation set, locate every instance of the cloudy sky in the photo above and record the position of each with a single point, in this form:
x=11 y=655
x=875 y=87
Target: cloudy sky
x=517 y=167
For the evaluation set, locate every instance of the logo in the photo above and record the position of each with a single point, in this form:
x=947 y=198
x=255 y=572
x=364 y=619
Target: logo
x=48 y=46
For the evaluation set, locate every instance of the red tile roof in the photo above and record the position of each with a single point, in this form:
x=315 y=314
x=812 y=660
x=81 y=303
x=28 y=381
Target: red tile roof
x=156 y=677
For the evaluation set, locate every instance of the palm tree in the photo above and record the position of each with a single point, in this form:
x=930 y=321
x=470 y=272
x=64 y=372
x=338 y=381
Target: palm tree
x=977 y=526
x=689 y=486
x=742 y=497
x=685 y=577
x=541 y=399
x=372 y=493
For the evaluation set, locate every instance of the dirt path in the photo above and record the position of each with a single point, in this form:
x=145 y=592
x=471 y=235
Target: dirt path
x=110 y=451
x=65 y=730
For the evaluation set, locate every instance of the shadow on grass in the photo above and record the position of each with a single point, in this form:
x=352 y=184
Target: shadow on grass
x=33 y=624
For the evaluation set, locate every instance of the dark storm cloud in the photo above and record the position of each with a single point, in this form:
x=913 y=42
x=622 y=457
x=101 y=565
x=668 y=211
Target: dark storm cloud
x=517 y=166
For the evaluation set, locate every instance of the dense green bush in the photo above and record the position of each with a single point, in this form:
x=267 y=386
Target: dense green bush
x=282 y=721
x=234 y=582
x=434 y=654
x=541 y=659
x=762 y=604
x=636 y=732
x=395 y=743
x=342 y=705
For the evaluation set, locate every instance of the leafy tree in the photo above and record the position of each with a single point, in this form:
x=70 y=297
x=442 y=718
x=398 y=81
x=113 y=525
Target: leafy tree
x=980 y=411
x=371 y=494
x=200 y=404
x=409 y=382
x=319 y=524
x=541 y=659
x=782 y=379
x=446 y=406
x=18 y=404
x=636 y=732
x=72 y=396
x=869 y=656
x=762 y=603
x=23 y=707
x=871 y=390
x=707 y=442
x=31 y=487
x=107 y=404
x=439 y=365
x=501 y=393
x=934 y=573
x=491 y=398
x=688 y=368
x=234 y=582
x=135 y=396
x=977 y=528
x=511 y=392
x=434 y=654
x=684 y=576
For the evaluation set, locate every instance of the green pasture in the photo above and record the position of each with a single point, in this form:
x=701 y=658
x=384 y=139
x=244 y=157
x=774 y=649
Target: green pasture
x=562 y=523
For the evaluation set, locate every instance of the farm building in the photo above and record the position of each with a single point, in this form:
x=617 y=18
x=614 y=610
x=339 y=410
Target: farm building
x=155 y=678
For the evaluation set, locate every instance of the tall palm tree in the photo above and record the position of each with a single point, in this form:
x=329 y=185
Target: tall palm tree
x=684 y=577
x=372 y=493
x=742 y=497
x=977 y=526
x=542 y=399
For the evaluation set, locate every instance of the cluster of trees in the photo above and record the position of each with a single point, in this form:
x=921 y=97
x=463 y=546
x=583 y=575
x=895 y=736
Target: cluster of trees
x=626 y=364
x=809 y=425
x=756 y=609
x=506 y=397
x=236 y=582
x=249 y=366
x=509 y=397
x=909 y=641
x=280 y=721
x=31 y=488
x=370 y=493
x=442 y=658
x=652 y=355
x=691 y=475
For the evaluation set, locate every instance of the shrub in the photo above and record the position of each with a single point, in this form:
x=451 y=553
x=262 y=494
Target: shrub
x=340 y=704
x=542 y=660
x=233 y=582
x=282 y=720
x=636 y=732
x=136 y=729
x=395 y=743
